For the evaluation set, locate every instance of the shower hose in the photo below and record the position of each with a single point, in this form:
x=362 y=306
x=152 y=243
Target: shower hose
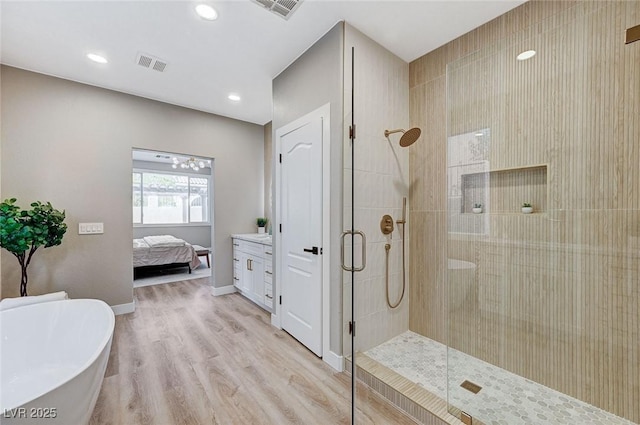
x=387 y=248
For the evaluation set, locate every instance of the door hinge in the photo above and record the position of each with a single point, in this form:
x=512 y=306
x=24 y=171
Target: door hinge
x=280 y=227
x=280 y=300
x=280 y=158
x=352 y=328
x=352 y=132
x=320 y=251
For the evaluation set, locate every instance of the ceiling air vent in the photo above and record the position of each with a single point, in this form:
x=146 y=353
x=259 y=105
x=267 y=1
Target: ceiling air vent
x=147 y=61
x=282 y=8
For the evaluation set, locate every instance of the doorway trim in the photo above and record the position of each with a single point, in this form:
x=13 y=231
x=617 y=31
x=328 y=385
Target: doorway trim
x=324 y=112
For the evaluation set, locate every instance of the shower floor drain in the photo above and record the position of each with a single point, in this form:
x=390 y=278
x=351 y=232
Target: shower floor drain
x=470 y=386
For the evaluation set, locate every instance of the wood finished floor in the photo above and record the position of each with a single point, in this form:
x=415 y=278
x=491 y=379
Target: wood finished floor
x=186 y=357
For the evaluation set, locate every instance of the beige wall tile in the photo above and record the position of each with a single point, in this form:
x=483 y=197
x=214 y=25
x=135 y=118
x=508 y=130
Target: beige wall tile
x=554 y=296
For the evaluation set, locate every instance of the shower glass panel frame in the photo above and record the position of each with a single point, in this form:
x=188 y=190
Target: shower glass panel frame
x=540 y=307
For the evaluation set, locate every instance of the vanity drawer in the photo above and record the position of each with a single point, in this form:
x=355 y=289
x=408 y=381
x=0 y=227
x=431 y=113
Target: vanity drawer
x=250 y=247
x=268 y=269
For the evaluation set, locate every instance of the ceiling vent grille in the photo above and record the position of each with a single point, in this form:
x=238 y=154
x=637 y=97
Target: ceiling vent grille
x=282 y=8
x=151 y=62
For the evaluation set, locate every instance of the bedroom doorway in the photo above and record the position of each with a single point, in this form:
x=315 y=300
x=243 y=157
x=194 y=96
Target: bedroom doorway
x=172 y=217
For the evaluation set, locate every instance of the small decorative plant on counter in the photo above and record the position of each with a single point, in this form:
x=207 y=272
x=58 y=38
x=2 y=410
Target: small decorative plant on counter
x=262 y=223
x=477 y=208
x=22 y=232
x=527 y=208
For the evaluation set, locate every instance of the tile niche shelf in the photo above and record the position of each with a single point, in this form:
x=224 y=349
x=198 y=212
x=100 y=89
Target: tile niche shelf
x=503 y=191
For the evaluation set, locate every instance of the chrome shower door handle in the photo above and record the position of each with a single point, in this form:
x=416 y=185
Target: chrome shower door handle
x=364 y=251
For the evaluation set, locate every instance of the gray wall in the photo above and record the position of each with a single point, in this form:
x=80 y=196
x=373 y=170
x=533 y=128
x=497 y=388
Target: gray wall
x=194 y=234
x=268 y=170
x=77 y=142
x=313 y=80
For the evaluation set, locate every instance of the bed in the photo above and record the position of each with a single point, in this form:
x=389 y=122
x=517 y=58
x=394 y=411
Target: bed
x=163 y=251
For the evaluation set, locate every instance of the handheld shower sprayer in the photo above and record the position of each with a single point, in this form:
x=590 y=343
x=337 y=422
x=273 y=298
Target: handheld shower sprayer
x=403 y=221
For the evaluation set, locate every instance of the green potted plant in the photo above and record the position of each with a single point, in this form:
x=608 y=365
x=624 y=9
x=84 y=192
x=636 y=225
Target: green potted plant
x=477 y=208
x=527 y=208
x=22 y=232
x=262 y=223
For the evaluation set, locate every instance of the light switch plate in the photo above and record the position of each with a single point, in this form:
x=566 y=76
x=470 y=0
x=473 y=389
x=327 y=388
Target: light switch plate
x=90 y=228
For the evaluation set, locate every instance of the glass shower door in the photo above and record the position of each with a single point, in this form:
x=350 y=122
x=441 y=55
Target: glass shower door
x=539 y=302
x=348 y=246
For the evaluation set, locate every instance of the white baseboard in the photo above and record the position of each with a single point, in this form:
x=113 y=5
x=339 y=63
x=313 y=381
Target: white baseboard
x=124 y=308
x=334 y=360
x=223 y=290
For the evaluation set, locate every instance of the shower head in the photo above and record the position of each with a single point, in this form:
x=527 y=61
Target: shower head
x=408 y=138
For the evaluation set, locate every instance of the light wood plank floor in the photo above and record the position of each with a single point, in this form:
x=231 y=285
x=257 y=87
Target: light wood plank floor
x=186 y=357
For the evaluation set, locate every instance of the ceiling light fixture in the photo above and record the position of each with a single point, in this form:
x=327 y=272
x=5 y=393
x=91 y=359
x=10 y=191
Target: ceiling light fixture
x=234 y=97
x=97 y=58
x=206 y=12
x=526 y=55
x=192 y=163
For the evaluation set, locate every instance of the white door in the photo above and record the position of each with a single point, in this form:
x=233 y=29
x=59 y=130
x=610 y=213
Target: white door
x=301 y=206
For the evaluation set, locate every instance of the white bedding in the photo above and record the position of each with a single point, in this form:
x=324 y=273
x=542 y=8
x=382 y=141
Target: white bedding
x=163 y=241
x=145 y=255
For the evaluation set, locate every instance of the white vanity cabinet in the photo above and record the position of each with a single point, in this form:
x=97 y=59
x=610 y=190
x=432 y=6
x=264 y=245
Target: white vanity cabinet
x=252 y=268
x=268 y=277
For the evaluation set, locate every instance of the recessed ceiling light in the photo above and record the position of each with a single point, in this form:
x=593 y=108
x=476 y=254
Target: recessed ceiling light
x=206 y=12
x=97 y=58
x=526 y=55
x=478 y=134
x=234 y=97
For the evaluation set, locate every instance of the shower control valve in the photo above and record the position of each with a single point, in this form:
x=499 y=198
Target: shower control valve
x=386 y=224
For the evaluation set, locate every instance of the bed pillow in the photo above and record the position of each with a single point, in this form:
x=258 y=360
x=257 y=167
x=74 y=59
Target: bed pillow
x=162 y=241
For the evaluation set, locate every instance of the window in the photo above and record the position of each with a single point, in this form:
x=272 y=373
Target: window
x=170 y=198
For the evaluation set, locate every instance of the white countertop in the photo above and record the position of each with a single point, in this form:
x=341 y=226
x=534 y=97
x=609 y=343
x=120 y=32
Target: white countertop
x=261 y=238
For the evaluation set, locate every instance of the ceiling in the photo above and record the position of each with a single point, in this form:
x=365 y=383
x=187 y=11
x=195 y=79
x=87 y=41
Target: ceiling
x=240 y=52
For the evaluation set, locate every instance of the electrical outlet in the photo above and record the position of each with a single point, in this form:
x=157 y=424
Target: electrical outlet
x=90 y=228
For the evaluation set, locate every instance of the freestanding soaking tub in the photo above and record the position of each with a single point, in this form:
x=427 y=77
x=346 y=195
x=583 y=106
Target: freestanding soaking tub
x=53 y=357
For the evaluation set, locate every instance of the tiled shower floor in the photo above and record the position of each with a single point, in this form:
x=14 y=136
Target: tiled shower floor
x=505 y=398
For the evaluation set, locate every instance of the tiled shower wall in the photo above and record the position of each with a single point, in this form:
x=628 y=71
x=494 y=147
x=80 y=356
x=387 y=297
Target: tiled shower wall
x=381 y=181
x=555 y=295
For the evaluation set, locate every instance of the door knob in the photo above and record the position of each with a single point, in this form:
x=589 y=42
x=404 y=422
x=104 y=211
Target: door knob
x=313 y=250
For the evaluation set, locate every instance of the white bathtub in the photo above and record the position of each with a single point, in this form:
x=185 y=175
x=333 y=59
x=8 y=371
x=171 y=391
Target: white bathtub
x=52 y=361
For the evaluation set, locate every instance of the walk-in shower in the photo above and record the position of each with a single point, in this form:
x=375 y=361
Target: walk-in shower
x=523 y=319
